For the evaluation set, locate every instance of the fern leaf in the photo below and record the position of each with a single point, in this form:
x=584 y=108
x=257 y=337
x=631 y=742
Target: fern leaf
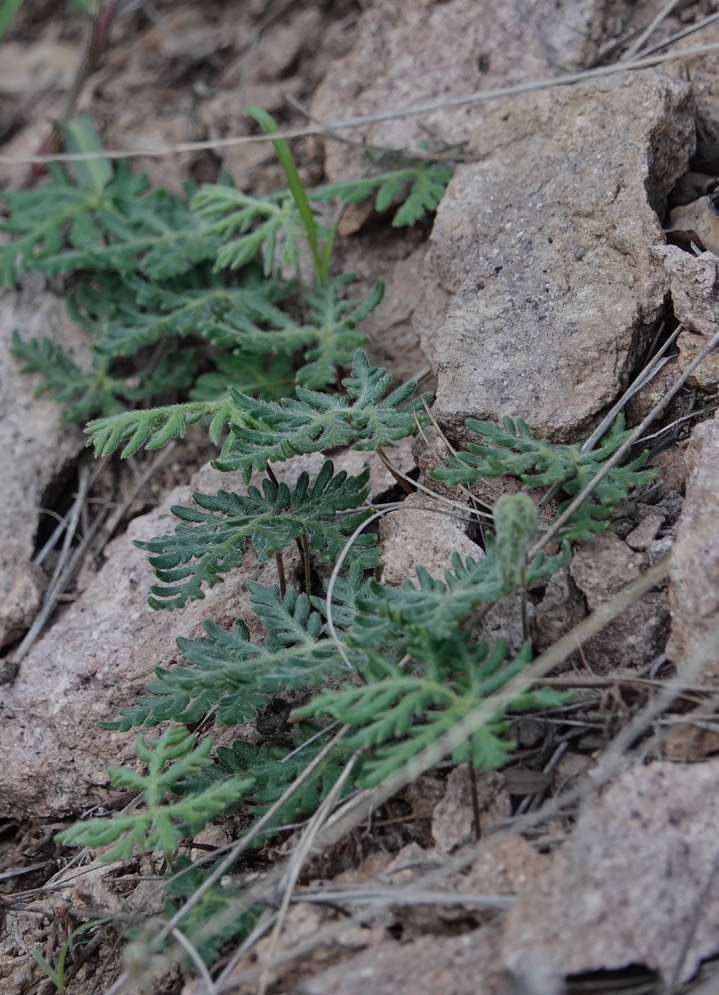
x=212 y=543
x=154 y=427
x=231 y=673
x=315 y=422
x=126 y=314
x=420 y=184
x=161 y=825
x=334 y=334
x=63 y=227
x=268 y=227
x=512 y=449
x=97 y=391
x=398 y=710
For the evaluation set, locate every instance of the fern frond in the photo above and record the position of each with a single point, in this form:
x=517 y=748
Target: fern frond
x=268 y=227
x=334 y=334
x=438 y=606
x=212 y=543
x=420 y=184
x=230 y=672
x=400 y=709
x=161 y=824
x=125 y=226
x=99 y=391
x=313 y=422
x=512 y=449
x=126 y=315
x=155 y=427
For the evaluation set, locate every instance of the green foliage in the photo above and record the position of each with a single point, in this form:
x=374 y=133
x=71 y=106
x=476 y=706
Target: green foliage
x=419 y=184
x=512 y=449
x=160 y=825
x=232 y=675
x=56 y=974
x=204 y=290
x=212 y=543
x=85 y=394
x=222 y=903
x=515 y=521
x=414 y=693
x=158 y=266
x=365 y=417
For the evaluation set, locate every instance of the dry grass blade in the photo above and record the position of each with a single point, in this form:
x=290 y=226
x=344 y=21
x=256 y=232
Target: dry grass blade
x=634 y=437
x=296 y=863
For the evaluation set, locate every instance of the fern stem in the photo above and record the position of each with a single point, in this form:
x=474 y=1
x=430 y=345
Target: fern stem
x=281 y=574
x=307 y=561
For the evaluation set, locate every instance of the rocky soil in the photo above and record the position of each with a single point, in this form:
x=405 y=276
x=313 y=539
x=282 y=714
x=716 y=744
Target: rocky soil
x=578 y=232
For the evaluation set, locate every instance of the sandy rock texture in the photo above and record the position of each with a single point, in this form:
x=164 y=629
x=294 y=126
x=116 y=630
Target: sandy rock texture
x=625 y=887
x=35 y=447
x=426 y=51
x=541 y=251
x=694 y=575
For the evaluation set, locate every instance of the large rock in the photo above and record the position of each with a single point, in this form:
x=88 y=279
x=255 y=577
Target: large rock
x=694 y=575
x=630 y=885
x=36 y=448
x=422 y=51
x=542 y=285
x=694 y=282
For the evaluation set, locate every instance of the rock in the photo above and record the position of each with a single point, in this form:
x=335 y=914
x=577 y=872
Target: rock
x=99 y=654
x=393 y=341
x=626 y=886
x=425 y=51
x=411 y=538
x=699 y=217
x=462 y=965
x=637 y=635
x=36 y=449
x=453 y=816
x=694 y=282
x=560 y=204
x=561 y=608
x=694 y=574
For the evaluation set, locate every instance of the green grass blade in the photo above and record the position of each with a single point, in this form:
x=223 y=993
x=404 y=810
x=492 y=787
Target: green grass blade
x=81 y=136
x=8 y=10
x=299 y=194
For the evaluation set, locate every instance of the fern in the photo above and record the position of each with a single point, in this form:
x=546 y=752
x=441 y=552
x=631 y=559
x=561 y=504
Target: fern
x=126 y=315
x=125 y=227
x=263 y=431
x=269 y=227
x=313 y=422
x=229 y=672
x=161 y=825
x=334 y=335
x=223 y=906
x=419 y=184
x=513 y=449
x=212 y=543
x=402 y=707
x=99 y=391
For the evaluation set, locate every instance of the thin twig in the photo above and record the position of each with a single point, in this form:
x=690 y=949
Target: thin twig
x=624 y=448
x=359 y=121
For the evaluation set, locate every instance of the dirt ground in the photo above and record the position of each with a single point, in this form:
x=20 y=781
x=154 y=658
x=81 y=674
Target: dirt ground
x=176 y=77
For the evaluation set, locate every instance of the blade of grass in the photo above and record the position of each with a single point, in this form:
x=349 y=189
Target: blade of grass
x=320 y=261
x=8 y=10
x=81 y=135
